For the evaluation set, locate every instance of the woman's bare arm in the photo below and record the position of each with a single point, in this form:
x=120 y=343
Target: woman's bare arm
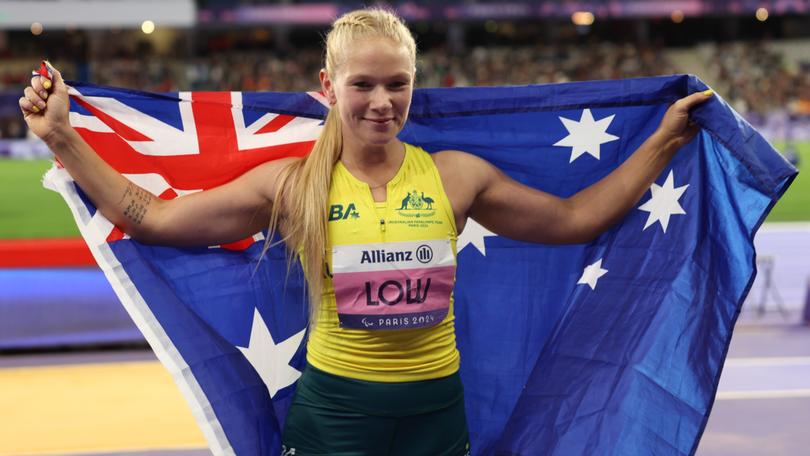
x=224 y=214
x=479 y=190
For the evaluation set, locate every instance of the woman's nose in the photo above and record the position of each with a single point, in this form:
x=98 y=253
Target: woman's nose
x=380 y=99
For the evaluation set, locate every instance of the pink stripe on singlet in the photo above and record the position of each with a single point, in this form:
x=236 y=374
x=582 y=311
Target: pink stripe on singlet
x=394 y=292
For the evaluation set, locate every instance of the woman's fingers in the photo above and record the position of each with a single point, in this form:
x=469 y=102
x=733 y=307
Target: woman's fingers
x=676 y=123
x=56 y=82
x=56 y=74
x=28 y=107
x=36 y=84
x=688 y=102
x=44 y=104
x=34 y=98
x=690 y=132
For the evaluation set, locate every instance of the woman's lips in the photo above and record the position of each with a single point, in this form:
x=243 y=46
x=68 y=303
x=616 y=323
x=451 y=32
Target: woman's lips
x=381 y=121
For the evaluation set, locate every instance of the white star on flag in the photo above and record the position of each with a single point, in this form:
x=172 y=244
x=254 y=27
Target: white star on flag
x=473 y=234
x=591 y=274
x=271 y=361
x=664 y=202
x=587 y=135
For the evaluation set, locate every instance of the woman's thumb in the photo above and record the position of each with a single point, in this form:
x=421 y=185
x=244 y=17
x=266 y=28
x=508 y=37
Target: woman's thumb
x=56 y=76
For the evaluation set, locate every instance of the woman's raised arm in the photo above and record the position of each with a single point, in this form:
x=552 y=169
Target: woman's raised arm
x=217 y=216
x=479 y=190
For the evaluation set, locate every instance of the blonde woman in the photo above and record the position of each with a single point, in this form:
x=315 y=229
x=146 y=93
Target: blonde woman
x=374 y=222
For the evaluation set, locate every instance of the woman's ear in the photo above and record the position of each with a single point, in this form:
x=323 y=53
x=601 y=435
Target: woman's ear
x=327 y=87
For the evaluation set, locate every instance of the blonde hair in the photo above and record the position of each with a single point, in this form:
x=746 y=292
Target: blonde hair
x=304 y=185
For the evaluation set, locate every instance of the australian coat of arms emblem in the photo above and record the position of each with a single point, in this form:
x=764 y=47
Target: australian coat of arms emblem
x=416 y=204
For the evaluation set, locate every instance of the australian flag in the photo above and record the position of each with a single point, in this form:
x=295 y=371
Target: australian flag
x=614 y=347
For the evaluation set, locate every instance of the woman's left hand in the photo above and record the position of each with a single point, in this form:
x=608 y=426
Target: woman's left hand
x=675 y=126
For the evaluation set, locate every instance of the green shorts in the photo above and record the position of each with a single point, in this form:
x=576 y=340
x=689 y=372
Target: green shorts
x=338 y=416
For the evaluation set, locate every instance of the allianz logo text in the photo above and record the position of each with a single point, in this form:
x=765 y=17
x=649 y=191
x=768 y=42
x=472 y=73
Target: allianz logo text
x=423 y=254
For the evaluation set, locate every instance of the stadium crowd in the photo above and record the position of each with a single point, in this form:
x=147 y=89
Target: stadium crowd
x=757 y=80
x=250 y=71
x=754 y=78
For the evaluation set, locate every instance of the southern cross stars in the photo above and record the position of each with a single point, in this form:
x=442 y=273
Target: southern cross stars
x=271 y=360
x=587 y=135
x=473 y=234
x=664 y=203
x=591 y=274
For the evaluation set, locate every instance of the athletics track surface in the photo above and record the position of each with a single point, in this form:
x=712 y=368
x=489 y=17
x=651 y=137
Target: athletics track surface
x=124 y=403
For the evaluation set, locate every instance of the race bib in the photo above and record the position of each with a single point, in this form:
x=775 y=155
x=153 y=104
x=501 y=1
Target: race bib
x=393 y=285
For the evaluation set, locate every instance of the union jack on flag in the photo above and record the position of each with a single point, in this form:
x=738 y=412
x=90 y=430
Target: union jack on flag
x=614 y=347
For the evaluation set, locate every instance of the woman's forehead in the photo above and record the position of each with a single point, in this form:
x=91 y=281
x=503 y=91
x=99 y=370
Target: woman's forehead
x=377 y=55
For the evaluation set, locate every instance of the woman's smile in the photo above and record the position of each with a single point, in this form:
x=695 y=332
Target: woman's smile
x=373 y=91
x=384 y=122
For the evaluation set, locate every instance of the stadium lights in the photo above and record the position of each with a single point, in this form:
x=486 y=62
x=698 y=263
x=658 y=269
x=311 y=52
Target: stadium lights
x=677 y=16
x=36 y=29
x=582 y=18
x=762 y=14
x=148 y=27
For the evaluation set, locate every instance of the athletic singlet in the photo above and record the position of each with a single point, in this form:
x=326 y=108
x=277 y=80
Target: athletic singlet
x=387 y=308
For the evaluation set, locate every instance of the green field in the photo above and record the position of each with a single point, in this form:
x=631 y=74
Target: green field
x=795 y=204
x=27 y=210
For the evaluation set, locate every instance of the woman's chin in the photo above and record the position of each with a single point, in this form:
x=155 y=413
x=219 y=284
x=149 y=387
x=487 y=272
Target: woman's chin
x=377 y=138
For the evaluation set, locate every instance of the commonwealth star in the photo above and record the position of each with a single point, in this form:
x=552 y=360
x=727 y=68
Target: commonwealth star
x=271 y=360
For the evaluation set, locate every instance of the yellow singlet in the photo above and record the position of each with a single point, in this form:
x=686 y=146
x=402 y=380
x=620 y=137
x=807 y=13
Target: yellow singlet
x=387 y=308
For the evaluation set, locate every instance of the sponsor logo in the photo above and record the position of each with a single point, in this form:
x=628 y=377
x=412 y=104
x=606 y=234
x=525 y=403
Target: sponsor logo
x=384 y=256
x=389 y=256
x=338 y=212
x=424 y=254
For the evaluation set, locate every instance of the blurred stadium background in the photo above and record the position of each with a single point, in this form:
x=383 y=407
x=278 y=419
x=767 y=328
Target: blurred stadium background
x=75 y=376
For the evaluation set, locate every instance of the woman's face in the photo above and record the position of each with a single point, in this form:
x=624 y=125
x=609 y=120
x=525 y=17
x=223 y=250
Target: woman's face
x=372 y=90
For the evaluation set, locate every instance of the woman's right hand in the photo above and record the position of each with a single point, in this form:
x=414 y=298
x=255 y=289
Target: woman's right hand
x=239 y=208
x=45 y=110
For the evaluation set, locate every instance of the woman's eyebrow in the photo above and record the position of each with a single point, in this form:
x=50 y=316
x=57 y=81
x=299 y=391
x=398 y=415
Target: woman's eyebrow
x=402 y=75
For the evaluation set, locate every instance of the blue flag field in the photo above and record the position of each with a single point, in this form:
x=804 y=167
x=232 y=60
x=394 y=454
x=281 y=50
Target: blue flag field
x=614 y=347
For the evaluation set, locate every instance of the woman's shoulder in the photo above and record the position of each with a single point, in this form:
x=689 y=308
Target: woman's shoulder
x=266 y=177
x=271 y=171
x=451 y=159
x=457 y=167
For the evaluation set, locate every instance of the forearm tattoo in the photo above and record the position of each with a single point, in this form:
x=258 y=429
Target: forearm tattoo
x=137 y=201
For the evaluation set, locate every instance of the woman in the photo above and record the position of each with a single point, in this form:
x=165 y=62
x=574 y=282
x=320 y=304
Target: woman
x=374 y=222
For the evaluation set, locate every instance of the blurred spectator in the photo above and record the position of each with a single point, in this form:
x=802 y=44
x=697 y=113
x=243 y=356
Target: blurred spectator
x=755 y=79
x=253 y=70
x=541 y=64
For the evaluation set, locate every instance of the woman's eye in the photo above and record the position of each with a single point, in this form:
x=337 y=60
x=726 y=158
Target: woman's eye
x=362 y=85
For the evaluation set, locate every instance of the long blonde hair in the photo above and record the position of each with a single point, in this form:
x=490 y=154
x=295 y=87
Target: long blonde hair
x=303 y=186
